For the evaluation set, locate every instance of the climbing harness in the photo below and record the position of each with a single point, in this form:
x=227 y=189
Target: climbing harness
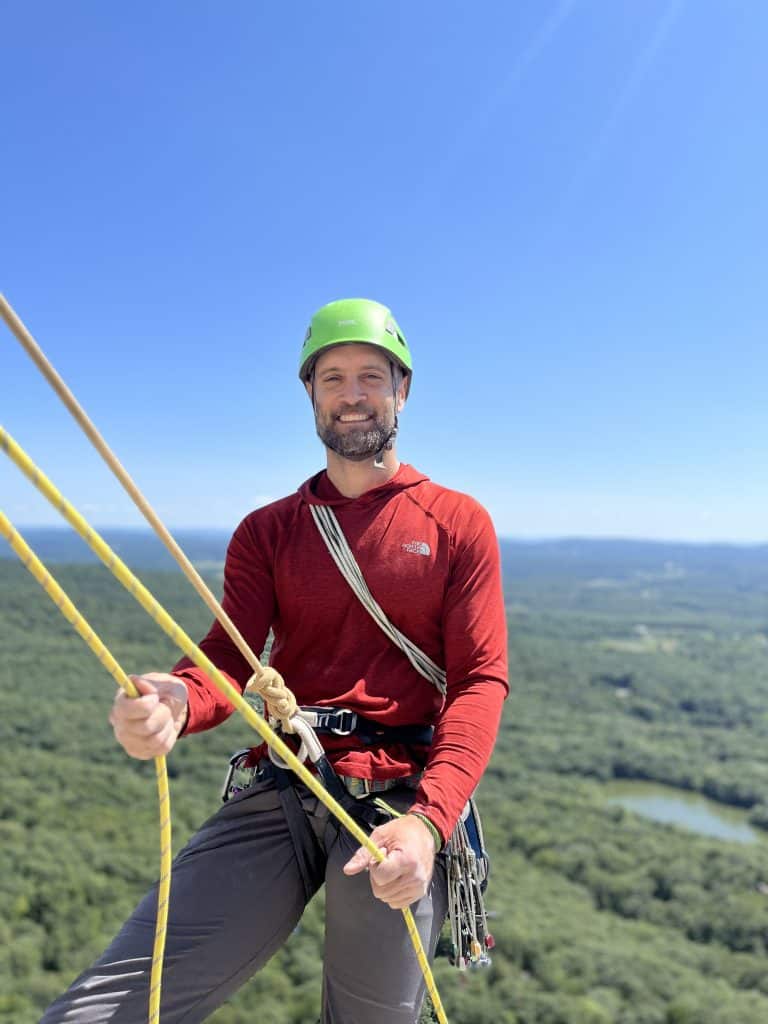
x=56 y=593
x=343 y=722
x=243 y=773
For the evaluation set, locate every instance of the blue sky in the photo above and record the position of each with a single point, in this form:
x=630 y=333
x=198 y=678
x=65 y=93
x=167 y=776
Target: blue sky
x=564 y=203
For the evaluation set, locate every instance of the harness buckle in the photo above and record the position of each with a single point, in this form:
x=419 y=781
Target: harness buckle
x=344 y=722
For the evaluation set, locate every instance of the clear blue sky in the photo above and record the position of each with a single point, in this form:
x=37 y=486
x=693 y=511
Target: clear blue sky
x=564 y=203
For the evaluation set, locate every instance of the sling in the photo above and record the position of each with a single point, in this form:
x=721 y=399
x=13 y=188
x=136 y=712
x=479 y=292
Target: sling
x=341 y=553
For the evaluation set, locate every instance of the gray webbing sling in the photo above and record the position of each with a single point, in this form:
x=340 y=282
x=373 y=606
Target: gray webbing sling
x=336 y=542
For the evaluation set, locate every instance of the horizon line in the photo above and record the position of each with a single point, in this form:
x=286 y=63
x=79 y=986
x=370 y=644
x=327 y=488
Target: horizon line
x=513 y=538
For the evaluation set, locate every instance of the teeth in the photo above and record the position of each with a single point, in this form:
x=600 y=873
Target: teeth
x=357 y=418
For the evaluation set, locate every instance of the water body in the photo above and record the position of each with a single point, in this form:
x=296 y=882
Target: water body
x=686 y=810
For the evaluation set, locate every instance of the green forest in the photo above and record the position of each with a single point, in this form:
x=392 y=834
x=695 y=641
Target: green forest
x=626 y=662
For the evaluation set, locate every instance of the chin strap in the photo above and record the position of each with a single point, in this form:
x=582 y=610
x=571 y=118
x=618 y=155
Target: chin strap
x=389 y=444
x=378 y=462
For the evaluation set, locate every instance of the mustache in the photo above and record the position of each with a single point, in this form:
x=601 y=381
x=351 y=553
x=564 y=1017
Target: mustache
x=353 y=410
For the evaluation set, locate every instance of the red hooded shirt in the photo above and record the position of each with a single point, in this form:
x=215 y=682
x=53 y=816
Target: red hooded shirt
x=431 y=559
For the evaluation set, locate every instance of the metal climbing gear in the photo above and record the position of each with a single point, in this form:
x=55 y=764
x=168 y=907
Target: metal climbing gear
x=240 y=774
x=467 y=868
x=343 y=722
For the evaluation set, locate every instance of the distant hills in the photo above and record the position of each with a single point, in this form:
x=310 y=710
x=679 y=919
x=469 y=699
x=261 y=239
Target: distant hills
x=580 y=558
x=583 y=558
x=138 y=547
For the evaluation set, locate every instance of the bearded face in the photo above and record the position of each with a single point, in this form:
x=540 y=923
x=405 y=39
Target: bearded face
x=357 y=432
x=356 y=394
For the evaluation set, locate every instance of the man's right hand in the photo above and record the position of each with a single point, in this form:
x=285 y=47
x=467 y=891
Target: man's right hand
x=148 y=725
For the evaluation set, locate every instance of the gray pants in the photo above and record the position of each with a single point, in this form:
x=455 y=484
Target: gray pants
x=236 y=895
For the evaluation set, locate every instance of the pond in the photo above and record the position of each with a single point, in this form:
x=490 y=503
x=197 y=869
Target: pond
x=687 y=810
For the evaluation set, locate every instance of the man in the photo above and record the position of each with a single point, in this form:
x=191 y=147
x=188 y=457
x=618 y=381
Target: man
x=430 y=558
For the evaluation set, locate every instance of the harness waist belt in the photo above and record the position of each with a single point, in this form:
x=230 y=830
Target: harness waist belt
x=363 y=787
x=343 y=722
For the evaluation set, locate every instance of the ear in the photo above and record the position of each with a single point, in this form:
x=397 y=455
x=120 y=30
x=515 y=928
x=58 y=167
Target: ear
x=402 y=392
x=308 y=388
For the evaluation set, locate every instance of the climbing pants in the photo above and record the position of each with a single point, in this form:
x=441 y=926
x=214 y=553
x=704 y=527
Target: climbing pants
x=236 y=895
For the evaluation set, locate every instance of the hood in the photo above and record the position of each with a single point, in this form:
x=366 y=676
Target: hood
x=319 y=490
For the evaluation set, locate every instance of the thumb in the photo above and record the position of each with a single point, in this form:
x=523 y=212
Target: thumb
x=361 y=860
x=144 y=686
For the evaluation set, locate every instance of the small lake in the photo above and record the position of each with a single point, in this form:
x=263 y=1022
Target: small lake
x=686 y=810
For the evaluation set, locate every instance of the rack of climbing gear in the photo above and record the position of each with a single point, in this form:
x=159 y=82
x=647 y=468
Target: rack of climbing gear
x=468 y=867
x=278 y=698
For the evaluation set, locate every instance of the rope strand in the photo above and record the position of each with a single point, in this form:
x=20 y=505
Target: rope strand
x=59 y=597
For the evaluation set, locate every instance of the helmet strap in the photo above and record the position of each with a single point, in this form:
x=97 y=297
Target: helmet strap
x=378 y=462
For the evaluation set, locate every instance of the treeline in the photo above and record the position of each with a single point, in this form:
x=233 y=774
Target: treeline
x=600 y=917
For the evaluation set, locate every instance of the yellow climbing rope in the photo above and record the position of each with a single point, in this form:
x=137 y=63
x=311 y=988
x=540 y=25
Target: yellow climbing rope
x=124 y=575
x=59 y=597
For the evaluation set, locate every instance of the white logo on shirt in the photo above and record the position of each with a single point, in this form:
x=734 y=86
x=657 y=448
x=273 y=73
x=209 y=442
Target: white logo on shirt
x=417 y=547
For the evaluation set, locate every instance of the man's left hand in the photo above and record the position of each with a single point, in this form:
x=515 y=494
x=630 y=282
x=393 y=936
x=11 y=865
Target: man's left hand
x=405 y=873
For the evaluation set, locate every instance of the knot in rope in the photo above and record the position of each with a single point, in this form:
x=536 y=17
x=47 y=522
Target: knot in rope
x=280 y=701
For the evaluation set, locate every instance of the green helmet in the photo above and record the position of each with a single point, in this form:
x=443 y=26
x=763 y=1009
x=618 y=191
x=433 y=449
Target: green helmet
x=353 y=320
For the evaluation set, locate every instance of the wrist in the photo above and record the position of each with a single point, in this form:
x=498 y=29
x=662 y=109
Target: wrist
x=183 y=721
x=437 y=839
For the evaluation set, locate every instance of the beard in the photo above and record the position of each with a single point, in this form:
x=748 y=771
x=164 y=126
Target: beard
x=354 y=443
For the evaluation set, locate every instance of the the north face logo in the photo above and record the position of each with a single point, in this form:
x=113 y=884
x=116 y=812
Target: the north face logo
x=417 y=547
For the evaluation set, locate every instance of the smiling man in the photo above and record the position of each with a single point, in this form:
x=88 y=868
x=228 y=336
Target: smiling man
x=413 y=729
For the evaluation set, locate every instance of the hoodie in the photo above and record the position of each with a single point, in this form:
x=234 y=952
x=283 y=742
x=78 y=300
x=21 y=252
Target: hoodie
x=430 y=558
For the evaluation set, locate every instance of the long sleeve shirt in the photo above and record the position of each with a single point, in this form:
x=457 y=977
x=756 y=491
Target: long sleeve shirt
x=431 y=559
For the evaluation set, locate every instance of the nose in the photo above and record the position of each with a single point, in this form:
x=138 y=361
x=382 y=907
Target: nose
x=353 y=390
